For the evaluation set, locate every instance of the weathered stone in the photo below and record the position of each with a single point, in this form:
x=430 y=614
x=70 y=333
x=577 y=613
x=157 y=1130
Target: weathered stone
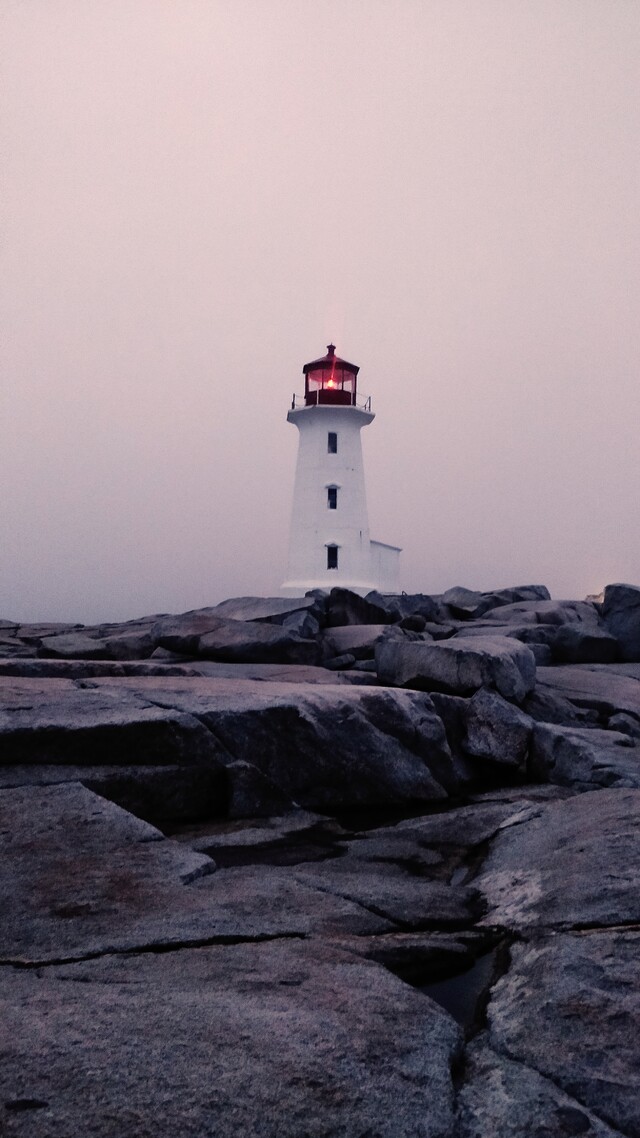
x=458 y=667
x=272 y=1040
x=584 y=757
x=275 y=610
x=390 y=892
x=303 y=624
x=358 y=640
x=462 y=603
x=569 y=1008
x=626 y=723
x=547 y=612
x=345 y=607
x=399 y=605
x=11 y=648
x=74 y=645
x=182 y=633
x=244 y=642
x=35 y=633
x=509 y=1099
x=253 y=794
x=603 y=688
x=575 y=644
x=160 y=795
x=621 y=615
x=571 y=863
x=58 y=721
x=340 y=663
x=546 y=706
x=497 y=730
x=85 y=877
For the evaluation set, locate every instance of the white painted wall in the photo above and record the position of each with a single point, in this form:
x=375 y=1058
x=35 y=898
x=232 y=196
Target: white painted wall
x=313 y=524
x=385 y=566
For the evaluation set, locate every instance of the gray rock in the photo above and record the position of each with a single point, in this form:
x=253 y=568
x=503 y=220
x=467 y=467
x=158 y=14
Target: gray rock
x=12 y=648
x=58 y=721
x=253 y=794
x=463 y=603
x=570 y=863
x=458 y=667
x=274 y=1040
x=627 y=724
x=399 y=605
x=275 y=610
x=497 y=730
x=575 y=644
x=160 y=795
x=303 y=624
x=584 y=757
x=345 y=607
x=468 y=604
x=325 y=747
x=390 y=892
x=599 y=687
x=569 y=1008
x=244 y=642
x=546 y=706
x=340 y=663
x=73 y=645
x=182 y=633
x=35 y=633
x=547 y=612
x=621 y=615
x=86 y=877
x=358 y=640
x=509 y=1099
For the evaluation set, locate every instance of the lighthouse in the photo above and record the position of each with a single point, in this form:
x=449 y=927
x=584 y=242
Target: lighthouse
x=329 y=541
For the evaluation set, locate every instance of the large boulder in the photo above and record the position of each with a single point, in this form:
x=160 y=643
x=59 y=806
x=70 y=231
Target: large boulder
x=580 y=644
x=621 y=615
x=498 y=731
x=274 y=610
x=205 y=633
x=80 y=646
x=584 y=757
x=401 y=605
x=359 y=640
x=458 y=666
x=345 y=607
x=547 y=612
x=321 y=745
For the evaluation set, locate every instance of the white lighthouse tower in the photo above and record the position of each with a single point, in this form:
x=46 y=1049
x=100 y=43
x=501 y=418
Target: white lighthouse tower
x=329 y=542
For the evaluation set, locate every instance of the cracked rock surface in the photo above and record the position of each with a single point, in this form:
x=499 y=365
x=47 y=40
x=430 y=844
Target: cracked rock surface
x=274 y=900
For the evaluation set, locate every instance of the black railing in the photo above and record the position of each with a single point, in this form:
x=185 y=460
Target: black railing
x=326 y=398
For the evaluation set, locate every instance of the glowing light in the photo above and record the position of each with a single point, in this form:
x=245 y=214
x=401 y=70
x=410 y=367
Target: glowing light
x=330 y=383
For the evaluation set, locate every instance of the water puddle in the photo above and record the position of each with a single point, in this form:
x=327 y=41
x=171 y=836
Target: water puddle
x=462 y=995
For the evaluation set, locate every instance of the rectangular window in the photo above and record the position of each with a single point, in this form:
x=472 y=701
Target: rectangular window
x=332 y=443
x=332 y=557
x=332 y=497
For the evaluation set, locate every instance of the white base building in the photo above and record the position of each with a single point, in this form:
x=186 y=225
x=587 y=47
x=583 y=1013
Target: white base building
x=329 y=541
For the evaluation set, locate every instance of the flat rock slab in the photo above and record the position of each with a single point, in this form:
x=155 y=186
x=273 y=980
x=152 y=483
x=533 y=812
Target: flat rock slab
x=60 y=721
x=459 y=667
x=86 y=878
x=585 y=758
x=605 y=687
x=509 y=1099
x=569 y=1007
x=573 y=863
x=264 y=1041
x=410 y=902
x=325 y=747
x=273 y=609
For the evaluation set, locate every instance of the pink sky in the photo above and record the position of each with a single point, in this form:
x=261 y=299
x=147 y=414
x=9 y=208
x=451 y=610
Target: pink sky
x=199 y=195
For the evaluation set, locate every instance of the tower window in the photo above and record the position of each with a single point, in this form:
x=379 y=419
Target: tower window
x=332 y=497
x=332 y=557
x=332 y=442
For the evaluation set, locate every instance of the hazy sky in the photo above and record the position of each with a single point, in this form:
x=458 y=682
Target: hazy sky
x=200 y=194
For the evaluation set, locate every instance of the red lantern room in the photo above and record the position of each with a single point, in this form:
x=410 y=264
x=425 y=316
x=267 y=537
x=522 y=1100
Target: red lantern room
x=330 y=380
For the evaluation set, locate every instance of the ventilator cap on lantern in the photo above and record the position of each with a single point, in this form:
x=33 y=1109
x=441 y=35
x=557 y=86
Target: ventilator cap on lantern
x=330 y=380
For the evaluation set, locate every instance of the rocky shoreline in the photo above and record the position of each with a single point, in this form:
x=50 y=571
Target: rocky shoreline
x=328 y=866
